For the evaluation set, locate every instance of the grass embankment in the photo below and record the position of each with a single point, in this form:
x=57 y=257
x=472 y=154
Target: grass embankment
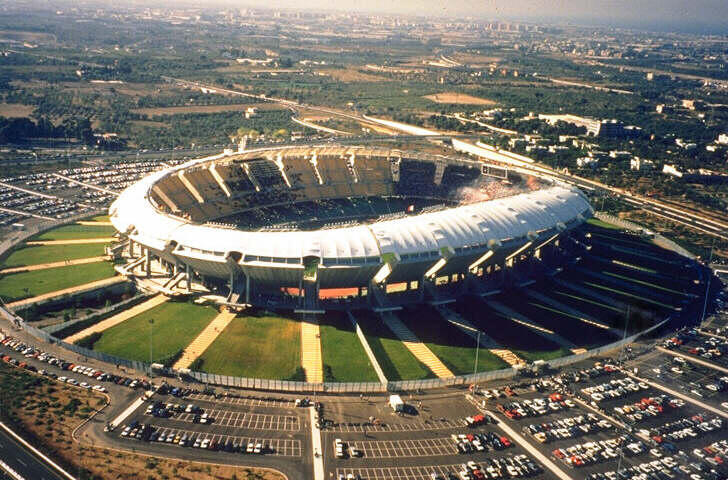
x=16 y=286
x=342 y=351
x=256 y=347
x=176 y=324
x=396 y=360
x=35 y=255
x=453 y=347
x=74 y=231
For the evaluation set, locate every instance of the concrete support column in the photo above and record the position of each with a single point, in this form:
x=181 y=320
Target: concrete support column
x=247 y=289
x=147 y=262
x=189 y=278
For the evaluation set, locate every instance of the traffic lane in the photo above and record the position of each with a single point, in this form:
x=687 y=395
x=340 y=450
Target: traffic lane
x=20 y=459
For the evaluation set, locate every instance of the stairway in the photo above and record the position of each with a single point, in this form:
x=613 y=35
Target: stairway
x=198 y=346
x=311 y=358
x=414 y=345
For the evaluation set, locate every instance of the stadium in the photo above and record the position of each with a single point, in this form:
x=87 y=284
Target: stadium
x=336 y=227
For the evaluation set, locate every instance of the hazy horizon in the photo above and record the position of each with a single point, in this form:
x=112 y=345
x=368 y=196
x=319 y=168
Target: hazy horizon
x=705 y=16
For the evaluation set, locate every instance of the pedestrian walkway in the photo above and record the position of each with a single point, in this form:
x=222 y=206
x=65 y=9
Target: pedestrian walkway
x=67 y=291
x=118 y=318
x=311 y=358
x=415 y=345
x=72 y=241
x=485 y=341
x=43 y=266
x=198 y=346
x=94 y=224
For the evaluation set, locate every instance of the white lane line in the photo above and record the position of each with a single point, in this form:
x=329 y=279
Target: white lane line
x=129 y=410
x=318 y=452
x=530 y=448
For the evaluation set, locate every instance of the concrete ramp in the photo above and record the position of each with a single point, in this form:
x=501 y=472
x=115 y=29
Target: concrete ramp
x=43 y=266
x=572 y=312
x=73 y=241
x=536 y=328
x=67 y=291
x=118 y=318
x=415 y=345
x=311 y=357
x=198 y=346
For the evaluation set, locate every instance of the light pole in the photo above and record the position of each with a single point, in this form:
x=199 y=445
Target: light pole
x=151 y=335
x=707 y=284
x=477 y=350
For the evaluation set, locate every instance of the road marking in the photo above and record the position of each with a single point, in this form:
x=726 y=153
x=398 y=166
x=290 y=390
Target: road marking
x=687 y=398
x=129 y=410
x=692 y=359
x=318 y=457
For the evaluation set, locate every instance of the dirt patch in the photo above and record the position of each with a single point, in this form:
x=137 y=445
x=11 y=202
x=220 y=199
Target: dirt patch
x=33 y=37
x=11 y=110
x=458 y=98
x=352 y=74
x=204 y=109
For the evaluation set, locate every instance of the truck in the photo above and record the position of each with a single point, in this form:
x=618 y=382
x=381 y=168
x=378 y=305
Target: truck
x=395 y=401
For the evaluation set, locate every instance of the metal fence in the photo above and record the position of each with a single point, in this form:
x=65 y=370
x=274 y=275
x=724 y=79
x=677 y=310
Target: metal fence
x=330 y=387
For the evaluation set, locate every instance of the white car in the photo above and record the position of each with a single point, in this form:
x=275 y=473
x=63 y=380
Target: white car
x=99 y=388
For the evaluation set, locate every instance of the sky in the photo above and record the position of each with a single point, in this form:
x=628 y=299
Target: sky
x=681 y=15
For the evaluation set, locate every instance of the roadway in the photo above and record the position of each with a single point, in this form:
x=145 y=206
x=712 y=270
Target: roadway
x=24 y=462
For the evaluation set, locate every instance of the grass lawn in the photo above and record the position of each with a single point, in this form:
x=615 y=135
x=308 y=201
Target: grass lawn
x=599 y=223
x=69 y=232
x=13 y=287
x=99 y=218
x=453 y=347
x=176 y=324
x=533 y=355
x=34 y=255
x=396 y=360
x=256 y=347
x=343 y=352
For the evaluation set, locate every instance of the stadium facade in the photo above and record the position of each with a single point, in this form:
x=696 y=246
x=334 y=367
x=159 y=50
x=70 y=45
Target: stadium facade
x=321 y=227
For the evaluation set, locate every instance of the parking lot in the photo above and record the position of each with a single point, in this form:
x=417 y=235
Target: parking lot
x=405 y=448
x=438 y=424
x=243 y=401
x=252 y=421
x=416 y=445
x=418 y=472
x=569 y=438
x=699 y=381
x=270 y=446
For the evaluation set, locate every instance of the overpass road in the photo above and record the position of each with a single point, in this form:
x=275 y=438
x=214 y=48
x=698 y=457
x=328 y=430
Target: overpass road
x=19 y=458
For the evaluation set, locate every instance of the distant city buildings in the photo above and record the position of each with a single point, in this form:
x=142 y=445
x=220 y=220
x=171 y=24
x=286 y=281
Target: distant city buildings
x=594 y=127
